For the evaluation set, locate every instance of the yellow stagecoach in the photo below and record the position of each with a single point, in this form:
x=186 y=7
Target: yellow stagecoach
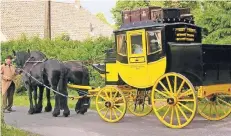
x=160 y=64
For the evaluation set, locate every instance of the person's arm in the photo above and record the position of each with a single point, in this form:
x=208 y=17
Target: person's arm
x=2 y=69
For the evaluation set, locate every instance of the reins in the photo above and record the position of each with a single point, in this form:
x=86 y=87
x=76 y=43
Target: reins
x=28 y=74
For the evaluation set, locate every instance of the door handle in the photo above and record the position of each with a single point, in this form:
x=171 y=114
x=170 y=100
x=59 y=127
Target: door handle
x=136 y=60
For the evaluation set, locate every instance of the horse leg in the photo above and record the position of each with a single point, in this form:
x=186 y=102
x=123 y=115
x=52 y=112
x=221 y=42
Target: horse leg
x=35 y=98
x=48 y=108
x=31 y=110
x=40 y=101
x=56 y=111
x=63 y=101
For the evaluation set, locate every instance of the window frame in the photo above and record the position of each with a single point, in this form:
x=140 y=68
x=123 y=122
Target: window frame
x=142 y=46
x=148 y=45
x=117 y=41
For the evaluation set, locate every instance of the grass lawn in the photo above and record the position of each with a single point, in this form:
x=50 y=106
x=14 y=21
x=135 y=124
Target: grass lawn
x=23 y=100
x=11 y=131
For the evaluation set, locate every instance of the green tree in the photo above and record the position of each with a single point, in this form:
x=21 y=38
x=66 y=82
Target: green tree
x=214 y=17
x=181 y=4
x=102 y=17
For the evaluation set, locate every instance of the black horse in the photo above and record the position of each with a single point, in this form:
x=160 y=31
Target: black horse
x=78 y=74
x=51 y=73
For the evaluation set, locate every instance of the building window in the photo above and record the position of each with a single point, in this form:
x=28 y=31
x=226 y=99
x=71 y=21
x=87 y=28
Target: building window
x=154 y=41
x=121 y=44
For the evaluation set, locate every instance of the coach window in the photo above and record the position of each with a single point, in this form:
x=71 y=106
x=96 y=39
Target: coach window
x=121 y=44
x=154 y=41
x=136 y=44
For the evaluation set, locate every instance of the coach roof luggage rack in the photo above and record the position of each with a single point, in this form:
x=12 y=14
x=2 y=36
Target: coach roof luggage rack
x=157 y=14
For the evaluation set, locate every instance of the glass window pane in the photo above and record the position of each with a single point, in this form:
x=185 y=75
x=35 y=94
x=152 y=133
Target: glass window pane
x=121 y=42
x=154 y=41
x=136 y=44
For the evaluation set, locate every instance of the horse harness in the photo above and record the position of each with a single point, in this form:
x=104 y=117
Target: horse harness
x=30 y=76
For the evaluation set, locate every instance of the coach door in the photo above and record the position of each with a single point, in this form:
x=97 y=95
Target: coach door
x=137 y=58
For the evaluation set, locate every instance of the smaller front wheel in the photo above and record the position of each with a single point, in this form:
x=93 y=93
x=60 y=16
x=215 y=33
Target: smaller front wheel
x=111 y=104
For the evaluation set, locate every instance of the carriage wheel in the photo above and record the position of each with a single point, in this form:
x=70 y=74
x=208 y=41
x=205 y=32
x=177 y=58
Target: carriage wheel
x=215 y=106
x=111 y=104
x=174 y=100
x=139 y=103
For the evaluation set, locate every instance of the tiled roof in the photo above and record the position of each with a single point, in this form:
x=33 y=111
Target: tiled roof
x=28 y=16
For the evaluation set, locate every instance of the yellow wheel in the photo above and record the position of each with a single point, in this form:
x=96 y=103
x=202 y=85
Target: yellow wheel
x=174 y=100
x=111 y=104
x=215 y=106
x=139 y=103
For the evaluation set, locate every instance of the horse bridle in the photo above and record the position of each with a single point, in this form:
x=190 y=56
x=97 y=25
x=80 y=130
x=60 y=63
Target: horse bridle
x=35 y=63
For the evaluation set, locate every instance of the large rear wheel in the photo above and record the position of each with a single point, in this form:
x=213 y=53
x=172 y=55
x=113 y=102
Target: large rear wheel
x=174 y=100
x=111 y=104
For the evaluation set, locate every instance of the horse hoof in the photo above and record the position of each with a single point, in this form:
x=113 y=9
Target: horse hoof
x=39 y=110
x=48 y=108
x=66 y=113
x=56 y=113
x=31 y=111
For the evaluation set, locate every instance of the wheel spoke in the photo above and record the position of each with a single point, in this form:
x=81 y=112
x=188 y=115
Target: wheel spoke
x=186 y=100
x=187 y=93
x=220 y=107
x=172 y=114
x=181 y=85
x=215 y=110
x=115 y=113
x=182 y=112
x=164 y=87
x=160 y=100
x=106 y=112
x=161 y=107
x=204 y=107
x=166 y=112
x=111 y=94
x=177 y=115
x=115 y=95
x=119 y=104
x=163 y=94
x=120 y=98
x=224 y=102
x=210 y=110
x=107 y=95
x=103 y=97
x=169 y=85
x=118 y=109
x=186 y=107
x=175 y=84
x=110 y=114
x=102 y=108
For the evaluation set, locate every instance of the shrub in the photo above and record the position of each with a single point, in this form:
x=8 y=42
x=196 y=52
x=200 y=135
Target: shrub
x=89 y=50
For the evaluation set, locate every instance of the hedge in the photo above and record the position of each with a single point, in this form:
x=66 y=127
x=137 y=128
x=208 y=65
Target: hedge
x=64 y=49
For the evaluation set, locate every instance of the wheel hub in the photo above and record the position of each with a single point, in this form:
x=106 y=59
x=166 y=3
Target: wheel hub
x=108 y=104
x=171 y=101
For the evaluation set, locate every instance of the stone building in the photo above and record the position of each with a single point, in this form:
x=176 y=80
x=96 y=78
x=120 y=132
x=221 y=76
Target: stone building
x=28 y=16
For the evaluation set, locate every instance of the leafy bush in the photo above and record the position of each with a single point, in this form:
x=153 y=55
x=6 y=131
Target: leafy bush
x=90 y=50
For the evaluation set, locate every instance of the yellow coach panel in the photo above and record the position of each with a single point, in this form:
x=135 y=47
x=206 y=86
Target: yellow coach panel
x=112 y=72
x=156 y=69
